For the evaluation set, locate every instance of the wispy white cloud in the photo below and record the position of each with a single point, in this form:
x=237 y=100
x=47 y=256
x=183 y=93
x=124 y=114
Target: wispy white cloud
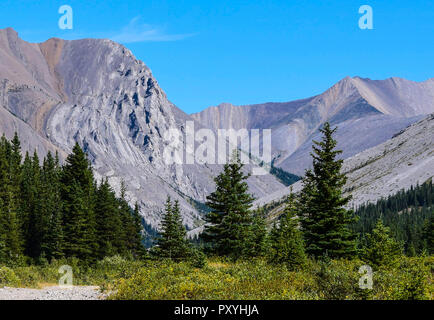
x=137 y=31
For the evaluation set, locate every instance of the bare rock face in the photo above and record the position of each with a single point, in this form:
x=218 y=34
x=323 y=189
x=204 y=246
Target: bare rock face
x=367 y=113
x=26 y=92
x=399 y=163
x=97 y=93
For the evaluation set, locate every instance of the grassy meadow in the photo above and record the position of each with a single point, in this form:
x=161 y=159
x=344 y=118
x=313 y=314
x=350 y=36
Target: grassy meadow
x=219 y=279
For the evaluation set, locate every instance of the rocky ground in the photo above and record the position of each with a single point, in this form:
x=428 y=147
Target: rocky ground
x=52 y=293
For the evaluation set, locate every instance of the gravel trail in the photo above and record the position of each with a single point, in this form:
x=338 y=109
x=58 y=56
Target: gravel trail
x=52 y=293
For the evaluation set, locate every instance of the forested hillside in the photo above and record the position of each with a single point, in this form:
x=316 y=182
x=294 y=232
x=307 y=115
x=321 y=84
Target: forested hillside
x=408 y=214
x=285 y=177
x=49 y=211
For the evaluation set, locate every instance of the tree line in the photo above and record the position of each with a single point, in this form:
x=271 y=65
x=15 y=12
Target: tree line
x=52 y=211
x=408 y=214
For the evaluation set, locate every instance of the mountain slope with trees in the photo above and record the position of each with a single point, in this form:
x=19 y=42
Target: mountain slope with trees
x=409 y=214
x=49 y=211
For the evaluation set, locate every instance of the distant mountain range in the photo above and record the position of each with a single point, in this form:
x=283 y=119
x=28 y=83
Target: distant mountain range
x=367 y=112
x=97 y=93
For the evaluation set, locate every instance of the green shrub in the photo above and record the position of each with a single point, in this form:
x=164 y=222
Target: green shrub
x=338 y=279
x=381 y=248
x=29 y=276
x=8 y=277
x=197 y=258
x=218 y=280
x=410 y=280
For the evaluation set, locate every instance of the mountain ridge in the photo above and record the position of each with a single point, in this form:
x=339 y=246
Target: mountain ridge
x=391 y=104
x=346 y=78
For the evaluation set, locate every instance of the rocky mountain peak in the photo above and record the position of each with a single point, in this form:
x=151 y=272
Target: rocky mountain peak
x=95 y=92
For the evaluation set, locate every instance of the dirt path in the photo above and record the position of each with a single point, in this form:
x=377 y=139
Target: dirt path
x=52 y=293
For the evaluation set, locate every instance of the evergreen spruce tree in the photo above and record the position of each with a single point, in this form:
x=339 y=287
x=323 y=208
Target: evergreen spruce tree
x=228 y=227
x=132 y=238
x=3 y=249
x=52 y=244
x=11 y=240
x=136 y=239
x=80 y=240
x=214 y=231
x=258 y=241
x=172 y=242
x=381 y=249
x=38 y=221
x=125 y=216
x=16 y=173
x=428 y=234
x=109 y=232
x=286 y=239
x=325 y=221
x=40 y=210
x=78 y=196
x=183 y=249
x=28 y=204
x=15 y=164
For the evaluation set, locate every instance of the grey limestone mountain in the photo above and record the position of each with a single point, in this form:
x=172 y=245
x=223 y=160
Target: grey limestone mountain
x=97 y=93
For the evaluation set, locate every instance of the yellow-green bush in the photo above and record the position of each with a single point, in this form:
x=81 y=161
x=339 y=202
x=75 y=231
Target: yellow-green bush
x=410 y=280
x=218 y=280
x=337 y=279
x=8 y=277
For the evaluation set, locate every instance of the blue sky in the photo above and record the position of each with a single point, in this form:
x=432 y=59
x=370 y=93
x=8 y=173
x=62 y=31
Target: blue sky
x=204 y=52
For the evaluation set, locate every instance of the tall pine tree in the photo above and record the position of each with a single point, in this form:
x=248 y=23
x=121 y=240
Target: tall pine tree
x=287 y=244
x=258 y=240
x=172 y=242
x=428 y=234
x=10 y=238
x=53 y=240
x=109 y=224
x=78 y=195
x=325 y=221
x=135 y=240
x=381 y=249
x=228 y=227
